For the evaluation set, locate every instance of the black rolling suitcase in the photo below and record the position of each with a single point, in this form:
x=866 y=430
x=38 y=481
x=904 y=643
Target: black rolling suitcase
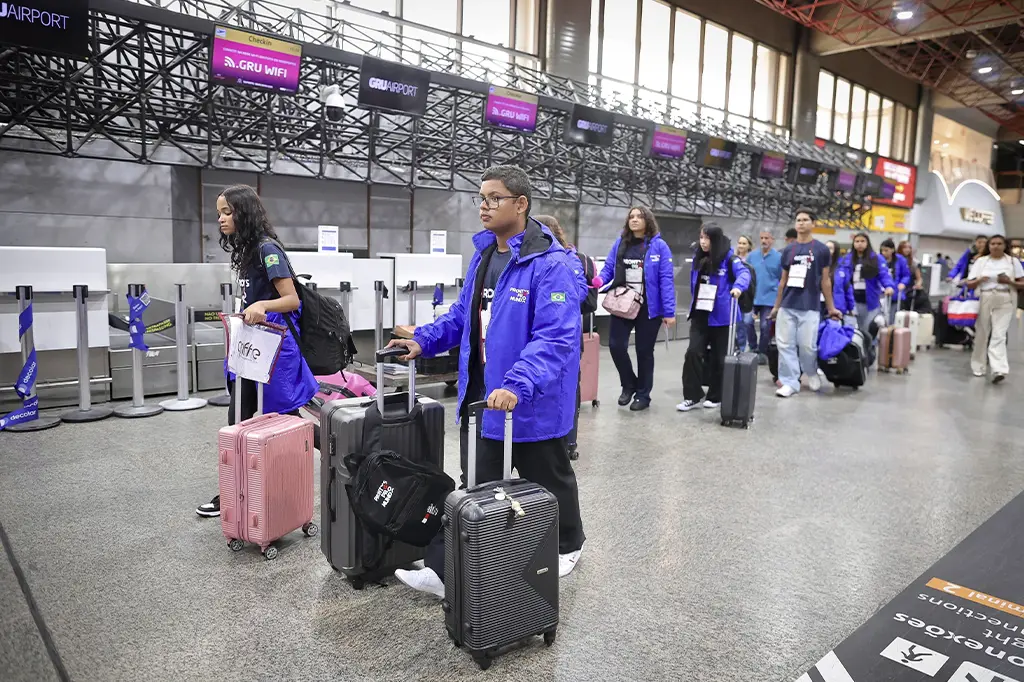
x=739 y=381
x=501 y=558
x=850 y=367
x=412 y=426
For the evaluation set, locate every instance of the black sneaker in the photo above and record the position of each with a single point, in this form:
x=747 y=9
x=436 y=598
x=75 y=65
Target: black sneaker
x=210 y=509
x=625 y=398
x=574 y=455
x=639 y=405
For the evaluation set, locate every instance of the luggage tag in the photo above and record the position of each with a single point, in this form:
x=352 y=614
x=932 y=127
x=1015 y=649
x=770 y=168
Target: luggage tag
x=515 y=511
x=858 y=282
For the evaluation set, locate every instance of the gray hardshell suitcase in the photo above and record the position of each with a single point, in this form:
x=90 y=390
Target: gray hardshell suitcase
x=344 y=542
x=501 y=558
x=739 y=381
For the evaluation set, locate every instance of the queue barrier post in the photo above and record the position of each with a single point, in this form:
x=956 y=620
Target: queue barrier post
x=138 y=407
x=182 y=403
x=85 y=412
x=27 y=417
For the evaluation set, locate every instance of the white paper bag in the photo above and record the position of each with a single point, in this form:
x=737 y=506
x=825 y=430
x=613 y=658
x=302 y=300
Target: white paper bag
x=252 y=349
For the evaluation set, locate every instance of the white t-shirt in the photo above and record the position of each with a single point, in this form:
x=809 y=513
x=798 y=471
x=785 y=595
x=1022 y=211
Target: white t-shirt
x=986 y=266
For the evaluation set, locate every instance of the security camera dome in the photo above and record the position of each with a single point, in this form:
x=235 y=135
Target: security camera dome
x=334 y=103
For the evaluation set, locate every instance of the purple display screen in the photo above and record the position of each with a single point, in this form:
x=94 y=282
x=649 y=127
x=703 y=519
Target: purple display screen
x=846 y=180
x=773 y=166
x=668 y=142
x=254 y=60
x=888 y=190
x=511 y=109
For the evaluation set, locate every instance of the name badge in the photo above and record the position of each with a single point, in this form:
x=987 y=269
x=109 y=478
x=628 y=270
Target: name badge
x=706 y=297
x=797 y=275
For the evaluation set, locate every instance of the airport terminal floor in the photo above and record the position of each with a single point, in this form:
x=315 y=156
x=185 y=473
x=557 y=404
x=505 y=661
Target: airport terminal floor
x=712 y=553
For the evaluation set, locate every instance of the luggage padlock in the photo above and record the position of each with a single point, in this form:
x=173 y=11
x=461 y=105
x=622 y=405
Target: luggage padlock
x=499 y=494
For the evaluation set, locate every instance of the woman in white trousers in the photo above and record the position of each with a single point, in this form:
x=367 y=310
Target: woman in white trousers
x=997 y=276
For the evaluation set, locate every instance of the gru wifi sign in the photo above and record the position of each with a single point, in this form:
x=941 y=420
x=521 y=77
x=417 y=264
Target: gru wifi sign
x=60 y=26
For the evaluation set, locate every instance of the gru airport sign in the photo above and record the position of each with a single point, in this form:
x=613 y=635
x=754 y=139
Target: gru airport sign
x=58 y=26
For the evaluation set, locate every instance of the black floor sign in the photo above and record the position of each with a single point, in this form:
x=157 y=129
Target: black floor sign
x=959 y=622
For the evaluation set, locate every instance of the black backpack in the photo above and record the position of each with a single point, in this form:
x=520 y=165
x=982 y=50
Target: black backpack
x=589 y=304
x=746 y=299
x=324 y=336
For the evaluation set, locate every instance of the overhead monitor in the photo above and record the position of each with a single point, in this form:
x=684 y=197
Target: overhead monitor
x=587 y=125
x=58 y=26
x=717 y=153
x=393 y=87
x=769 y=166
x=842 y=180
x=511 y=109
x=667 y=142
x=254 y=60
x=888 y=190
x=804 y=172
x=868 y=184
x=903 y=178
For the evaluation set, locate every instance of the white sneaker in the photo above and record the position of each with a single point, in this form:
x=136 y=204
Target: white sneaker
x=567 y=562
x=686 y=405
x=424 y=580
x=814 y=382
x=786 y=391
x=708 y=405
x=979 y=374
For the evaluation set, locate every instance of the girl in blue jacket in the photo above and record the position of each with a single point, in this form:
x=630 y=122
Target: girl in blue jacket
x=842 y=287
x=963 y=266
x=640 y=259
x=268 y=295
x=899 y=270
x=869 y=275
x=717 y=278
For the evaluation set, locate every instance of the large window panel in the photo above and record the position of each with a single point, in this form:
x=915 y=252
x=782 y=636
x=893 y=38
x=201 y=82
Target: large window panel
x=885 y=134
x=618 y=58
x=841 y=123
x=782 y=92
x=871 y=131
x=656 y=18
x=741 y=75
x=686 y=62
x=595 y=33
x=526 y=26
x=434 y=51
x=899 y=131
x=716 y=56
x=858 y=109
x=358 y=39
x=486 y=21
x=439 y=14
x=766 y=74
x=826 y=88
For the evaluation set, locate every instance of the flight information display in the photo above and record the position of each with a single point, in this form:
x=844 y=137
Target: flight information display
x=668 y=142
x=511 y=109
x=254 y=60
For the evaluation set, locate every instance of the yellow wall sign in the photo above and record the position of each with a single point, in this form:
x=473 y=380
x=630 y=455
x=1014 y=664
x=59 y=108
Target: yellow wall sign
x=886 y=219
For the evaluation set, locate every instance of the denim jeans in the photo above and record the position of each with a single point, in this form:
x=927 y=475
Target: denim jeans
x=796 y=334
x=865 y=317
x=763 y=312
x=746 y=333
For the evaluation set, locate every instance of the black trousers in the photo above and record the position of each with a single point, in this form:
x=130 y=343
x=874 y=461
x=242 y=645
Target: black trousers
x=574 y=434
x=701 y=336
x=545 y=462
x=647 y=330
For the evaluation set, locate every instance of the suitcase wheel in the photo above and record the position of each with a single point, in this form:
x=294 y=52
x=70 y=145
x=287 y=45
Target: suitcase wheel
x=549 y=637
x=596 y=403
x=358 y=583
x=483 y=660
x=236 y=545
x=270 y=553
x=311 y=530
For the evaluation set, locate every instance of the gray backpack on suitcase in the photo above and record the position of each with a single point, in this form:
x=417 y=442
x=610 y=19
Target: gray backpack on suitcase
x=501 y=558
x=739 y=380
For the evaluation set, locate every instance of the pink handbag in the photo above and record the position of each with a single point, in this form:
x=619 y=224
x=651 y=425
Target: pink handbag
x=623 y=302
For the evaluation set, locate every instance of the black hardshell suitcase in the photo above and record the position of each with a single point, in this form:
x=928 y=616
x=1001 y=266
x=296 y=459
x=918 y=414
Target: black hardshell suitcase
x=413 y=426
x=739 y=381
x=850 y=367
x=501 y=558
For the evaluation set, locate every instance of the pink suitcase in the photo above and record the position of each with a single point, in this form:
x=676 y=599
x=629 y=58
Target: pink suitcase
x=590 y=367
x=894 y=350
x=266 y=479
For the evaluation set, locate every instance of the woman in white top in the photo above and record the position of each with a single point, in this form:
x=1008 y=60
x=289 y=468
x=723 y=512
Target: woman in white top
x=998 y=276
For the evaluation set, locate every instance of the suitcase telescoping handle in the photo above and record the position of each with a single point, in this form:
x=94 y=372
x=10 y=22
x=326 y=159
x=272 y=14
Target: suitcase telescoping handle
x=382 y=356
x=475 y=410
x=238 y=399
x=734 y=305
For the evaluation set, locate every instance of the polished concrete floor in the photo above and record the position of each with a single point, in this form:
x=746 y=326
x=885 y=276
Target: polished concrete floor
x=712 y=554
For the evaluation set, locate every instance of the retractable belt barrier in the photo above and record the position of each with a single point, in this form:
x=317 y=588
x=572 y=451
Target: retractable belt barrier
x=26 y=417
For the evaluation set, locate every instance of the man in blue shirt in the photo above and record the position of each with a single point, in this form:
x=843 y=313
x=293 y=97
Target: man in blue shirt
x=805 y=278
x=767 y=266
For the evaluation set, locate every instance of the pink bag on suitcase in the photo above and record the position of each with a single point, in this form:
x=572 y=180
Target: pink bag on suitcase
x=353 y=386
x=266 y=478
x=590 y=366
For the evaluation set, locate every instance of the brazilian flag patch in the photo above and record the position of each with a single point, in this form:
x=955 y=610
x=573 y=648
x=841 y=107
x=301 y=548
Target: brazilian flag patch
x=272 y=259
x=558 y=297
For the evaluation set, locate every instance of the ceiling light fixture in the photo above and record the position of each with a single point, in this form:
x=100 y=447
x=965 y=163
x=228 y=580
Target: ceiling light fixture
x=985 y=69
x=904 y=15
x=1021 y=141
x=1017 y=91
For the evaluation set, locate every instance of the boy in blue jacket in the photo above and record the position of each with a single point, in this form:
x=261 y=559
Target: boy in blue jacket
x=518 y=328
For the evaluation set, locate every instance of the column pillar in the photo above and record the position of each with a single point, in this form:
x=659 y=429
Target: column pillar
x=923 y=141
x=805 y=88
x=567 y=38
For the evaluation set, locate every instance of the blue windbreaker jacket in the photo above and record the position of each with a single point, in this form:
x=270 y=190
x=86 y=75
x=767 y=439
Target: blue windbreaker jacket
x=874 y=287
x=533 y=341
x=768 y=269
x=740 y=279
x=659 y=276
x=903 y=276
x=842 y=292
x=962 y=266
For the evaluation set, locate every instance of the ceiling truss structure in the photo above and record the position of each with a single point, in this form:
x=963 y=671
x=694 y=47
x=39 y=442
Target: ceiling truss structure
x=943 y=46
x=145 y=96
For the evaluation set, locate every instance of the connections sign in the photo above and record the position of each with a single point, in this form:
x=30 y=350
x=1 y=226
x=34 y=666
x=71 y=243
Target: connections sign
x=60 y=26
